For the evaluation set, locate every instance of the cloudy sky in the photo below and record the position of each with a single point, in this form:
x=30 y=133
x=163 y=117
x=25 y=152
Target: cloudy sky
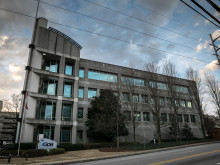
x=163 y=29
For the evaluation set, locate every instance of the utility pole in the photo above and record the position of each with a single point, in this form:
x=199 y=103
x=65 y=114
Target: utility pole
x=216 y=49
x=25 y=88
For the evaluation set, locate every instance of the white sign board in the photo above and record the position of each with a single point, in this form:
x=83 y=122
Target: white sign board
x=47 y=144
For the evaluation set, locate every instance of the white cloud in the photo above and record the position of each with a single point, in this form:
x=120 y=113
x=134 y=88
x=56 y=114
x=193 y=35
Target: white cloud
x=212 y=66
x=202 y=45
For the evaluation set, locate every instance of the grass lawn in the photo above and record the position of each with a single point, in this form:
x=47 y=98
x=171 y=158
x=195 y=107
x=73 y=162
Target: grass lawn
x=149 y=146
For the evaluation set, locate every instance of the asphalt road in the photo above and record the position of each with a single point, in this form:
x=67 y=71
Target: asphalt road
x=208 y=154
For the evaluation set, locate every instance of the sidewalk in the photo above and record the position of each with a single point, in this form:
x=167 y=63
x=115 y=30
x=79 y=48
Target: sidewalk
x=85 y=155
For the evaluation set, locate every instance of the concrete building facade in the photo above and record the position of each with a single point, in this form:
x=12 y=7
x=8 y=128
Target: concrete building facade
x=60 y=86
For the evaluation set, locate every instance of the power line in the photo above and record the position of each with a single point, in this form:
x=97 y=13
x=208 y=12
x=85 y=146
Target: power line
x=199 y=13
x=141 y=20
x=124 y=27
x=110 y=37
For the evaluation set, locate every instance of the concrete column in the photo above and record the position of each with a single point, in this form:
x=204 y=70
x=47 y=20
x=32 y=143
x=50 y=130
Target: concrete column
x=74 y=134
x=58 y=110
x=57 y=134
x=85 y=137
x=62 y=65
x=98 y=92
x=75 y=123
x=60 y=87
x=86 y=73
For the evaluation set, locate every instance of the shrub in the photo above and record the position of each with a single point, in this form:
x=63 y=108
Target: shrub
x=12 y=152
x=35 y=153
x=71 y=147
x=56 y=151
x=23 y=146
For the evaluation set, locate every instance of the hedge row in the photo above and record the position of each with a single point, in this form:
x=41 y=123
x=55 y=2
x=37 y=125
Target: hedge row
x=33 y=152
x=23 y=146
x=56 y=151
x=12 y=152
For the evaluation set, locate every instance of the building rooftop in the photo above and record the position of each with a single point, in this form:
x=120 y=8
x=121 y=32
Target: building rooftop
x=66 y=37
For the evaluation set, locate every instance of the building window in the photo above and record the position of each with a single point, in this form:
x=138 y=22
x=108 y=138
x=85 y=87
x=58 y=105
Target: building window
x=116 y=94
x=186 y=118
x=89 y=113
x=135 y=98
x=146 y=116
x=67 y=90
x=183 y=103
x=161 y=101
x=137 y=116
x=47 y=131
x=69 y=69
x=125 y=97
x=52 y=66
x=81 y=73
x=193 y=118
x=103 y=76
x=171 y=117
x=65 y=134
x=144 y=99
x=79 y=136
x=127 y=115
x=162 y=86
x=176 y=103
x=80 y=113
x=48 y=111
x=92 y=93
x=66 y=112
x=164 y=117
x=158 y=85
x=132 y=81
x=189 y=104
x=180 y=119
x=81 y=92
x=50 y=87
x=181 y=89
x=168 y=100
x=152 y=102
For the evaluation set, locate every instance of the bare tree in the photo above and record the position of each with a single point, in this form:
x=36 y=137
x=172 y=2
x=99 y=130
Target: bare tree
x=130 y=100
x=169 y=69
x=213 y=86
x=196 y=89
x=152 y=79
x=11 y=108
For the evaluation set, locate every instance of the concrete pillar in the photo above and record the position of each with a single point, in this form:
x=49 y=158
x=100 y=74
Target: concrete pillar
x=58 y=121
x=57 y=134
x=62 y=65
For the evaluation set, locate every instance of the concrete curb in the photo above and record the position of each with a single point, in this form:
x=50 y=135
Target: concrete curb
x=123 y=155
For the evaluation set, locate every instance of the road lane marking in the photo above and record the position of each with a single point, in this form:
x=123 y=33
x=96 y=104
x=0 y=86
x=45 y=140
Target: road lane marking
x=172 y=160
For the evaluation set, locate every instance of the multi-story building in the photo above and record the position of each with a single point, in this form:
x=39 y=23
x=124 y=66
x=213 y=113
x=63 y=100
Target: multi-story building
x=8 y=125
x=60 y=86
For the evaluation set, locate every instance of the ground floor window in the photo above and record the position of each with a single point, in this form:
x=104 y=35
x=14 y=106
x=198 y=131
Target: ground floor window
x=164 y=117
x=79 y=136
x=47 y=131
x=137 y=116
x=65 y=134
x=193 y=118
x=146 y=116
x=80 y=113
x=186 y=118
